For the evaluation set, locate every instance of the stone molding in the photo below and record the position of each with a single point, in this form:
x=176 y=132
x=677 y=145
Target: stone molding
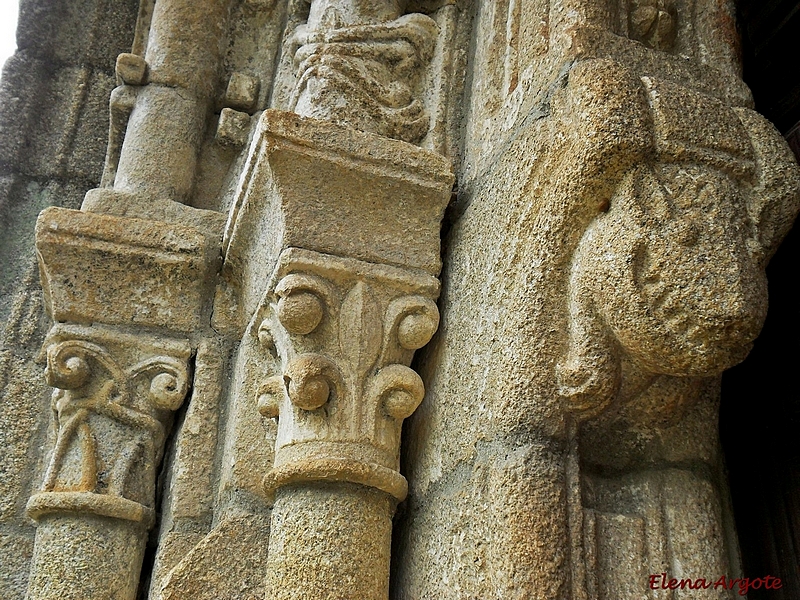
x=125 y=271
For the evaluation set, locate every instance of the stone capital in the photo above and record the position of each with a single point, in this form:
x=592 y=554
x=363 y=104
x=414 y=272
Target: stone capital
x=343 y=332
x=125 y=294
x=113 y=402
x=327 y=188
x=347 y=223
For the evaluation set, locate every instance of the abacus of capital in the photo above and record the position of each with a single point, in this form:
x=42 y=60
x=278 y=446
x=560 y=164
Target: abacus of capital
x=264 y=288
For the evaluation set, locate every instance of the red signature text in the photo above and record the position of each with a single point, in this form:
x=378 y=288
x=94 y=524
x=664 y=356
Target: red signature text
x=660 y=581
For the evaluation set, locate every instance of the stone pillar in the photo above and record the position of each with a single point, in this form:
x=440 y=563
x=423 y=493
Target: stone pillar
x=351 y=297
x=128 y=296
x=619 y=203
x=160 y=113
x=330 y=541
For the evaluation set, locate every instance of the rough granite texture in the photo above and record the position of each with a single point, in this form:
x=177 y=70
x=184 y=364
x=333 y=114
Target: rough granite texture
x=273 y=231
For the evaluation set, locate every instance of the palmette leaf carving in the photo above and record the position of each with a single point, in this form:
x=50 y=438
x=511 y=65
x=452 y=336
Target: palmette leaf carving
x=347 y=378
x=360 y=328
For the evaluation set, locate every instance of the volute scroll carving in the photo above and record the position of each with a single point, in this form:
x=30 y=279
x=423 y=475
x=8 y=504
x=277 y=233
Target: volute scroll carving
x=113 y=402
x=344 y=386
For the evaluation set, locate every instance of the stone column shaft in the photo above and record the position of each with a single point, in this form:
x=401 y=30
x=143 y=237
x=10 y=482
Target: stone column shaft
x=169 y=116
x=351 y=297
x=330 y=540
x=85 y=557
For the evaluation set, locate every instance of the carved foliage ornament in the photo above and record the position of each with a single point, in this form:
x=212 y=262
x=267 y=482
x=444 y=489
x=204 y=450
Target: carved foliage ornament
x=343 y=333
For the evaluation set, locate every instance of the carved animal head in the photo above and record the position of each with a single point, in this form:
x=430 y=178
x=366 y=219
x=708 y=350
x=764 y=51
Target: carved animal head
x=671 y=276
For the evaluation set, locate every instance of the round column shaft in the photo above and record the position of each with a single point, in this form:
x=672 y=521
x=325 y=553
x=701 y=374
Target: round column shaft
x=330 y=540
x=86 y=557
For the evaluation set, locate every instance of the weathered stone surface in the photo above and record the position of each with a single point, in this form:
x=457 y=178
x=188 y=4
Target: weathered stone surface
x=512 y=288
x=233 y=127
x=330 y=540
x=336 y=191
x=242 y=91
x=228 y=564
x=86 y=259
x=603 y=262
x=17 y=552
x=131 y=69
x=69 y=550
x=53 y=124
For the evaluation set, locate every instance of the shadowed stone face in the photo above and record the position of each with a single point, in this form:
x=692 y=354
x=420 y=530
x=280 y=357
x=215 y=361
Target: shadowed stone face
x=682 y=285
x=669 y=278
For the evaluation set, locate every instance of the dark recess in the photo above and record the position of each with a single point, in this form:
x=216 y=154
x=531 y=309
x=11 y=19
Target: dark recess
x=760 y=418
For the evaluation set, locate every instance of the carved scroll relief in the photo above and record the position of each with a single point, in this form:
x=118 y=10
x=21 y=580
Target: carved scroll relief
x=343 y=332
x=116 y=391
x=114 y=397
x=360 y=64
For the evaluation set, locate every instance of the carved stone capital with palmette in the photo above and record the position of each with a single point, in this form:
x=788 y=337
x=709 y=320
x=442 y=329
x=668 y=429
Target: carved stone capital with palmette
x=343 y=332
x=353 y=254
x=330 y=274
